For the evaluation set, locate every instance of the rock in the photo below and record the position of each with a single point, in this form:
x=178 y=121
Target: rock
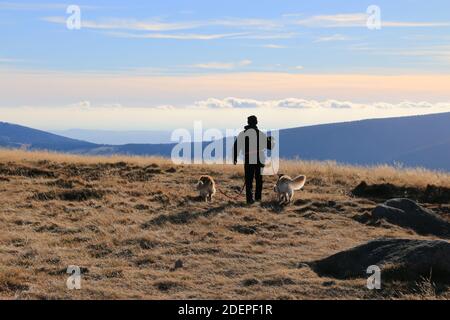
x=243 y=229
x=302 y=265
x=398 y=259
x=178 y=264
x=430 y=194
x=332 y=203
x=278 y=282
x=408 y=214
x=250 y=282
x=166 y=285
x=379 y=191
x=141 y=207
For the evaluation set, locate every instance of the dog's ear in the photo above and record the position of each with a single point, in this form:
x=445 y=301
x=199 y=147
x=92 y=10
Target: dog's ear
x=205 y=180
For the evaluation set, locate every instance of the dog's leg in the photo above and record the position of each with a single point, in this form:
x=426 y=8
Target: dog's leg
x=290 y=196
x=283 y=199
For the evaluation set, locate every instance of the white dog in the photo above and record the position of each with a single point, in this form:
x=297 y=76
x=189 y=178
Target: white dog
x=286 y=186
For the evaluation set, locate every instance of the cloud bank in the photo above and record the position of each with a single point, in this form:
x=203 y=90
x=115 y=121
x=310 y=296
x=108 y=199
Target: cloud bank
x=213 y=113
x=296 y=103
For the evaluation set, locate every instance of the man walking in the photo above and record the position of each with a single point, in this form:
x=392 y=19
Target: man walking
x=252 y=143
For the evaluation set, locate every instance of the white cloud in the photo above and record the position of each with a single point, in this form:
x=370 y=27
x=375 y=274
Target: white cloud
x=337 y=20
x=411 y=105
x=334 y=37
x=263 y=24
x=37 y=6
x=30 y=6
x=288 y=103
x=273 y=46
x=359 y=20
x=55 y=88
x=440 y=53
x=165 y=107
x=201 y=36
x=221 y=65
x=81 y=105
x=229 y=103
x=267 y=36
x=293 y=103
x=159 y=25
x=248 y=24
x=296 y=103
x=174 y=36
x=128 y=24
x=214 y=113
x=406 y=24
x=299 y=67
x=243 y=28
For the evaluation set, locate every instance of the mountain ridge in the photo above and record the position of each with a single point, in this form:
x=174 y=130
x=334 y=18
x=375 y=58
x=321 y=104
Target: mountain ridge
x=421 y=141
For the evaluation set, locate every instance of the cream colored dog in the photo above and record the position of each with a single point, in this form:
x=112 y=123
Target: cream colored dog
x=286 y=186
x=206 y=187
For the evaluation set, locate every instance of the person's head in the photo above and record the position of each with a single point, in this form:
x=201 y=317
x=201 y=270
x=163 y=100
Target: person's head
x=252 y=121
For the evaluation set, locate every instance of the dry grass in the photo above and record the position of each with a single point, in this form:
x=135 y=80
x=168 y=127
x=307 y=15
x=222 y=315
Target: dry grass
x=127 y=220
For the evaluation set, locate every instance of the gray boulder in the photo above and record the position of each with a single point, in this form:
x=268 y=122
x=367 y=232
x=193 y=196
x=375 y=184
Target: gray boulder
x=398 y=259
x=408 y=214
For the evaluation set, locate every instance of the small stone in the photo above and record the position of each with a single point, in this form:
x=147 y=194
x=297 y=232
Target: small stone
x=302 y=265
x=249 y=282
x=178 y=264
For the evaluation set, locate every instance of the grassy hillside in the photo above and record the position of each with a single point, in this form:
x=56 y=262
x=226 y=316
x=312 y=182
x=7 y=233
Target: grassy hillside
x=126 y=221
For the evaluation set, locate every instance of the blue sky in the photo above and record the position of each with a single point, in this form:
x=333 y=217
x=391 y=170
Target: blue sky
x=237 y=49
x=269 y=34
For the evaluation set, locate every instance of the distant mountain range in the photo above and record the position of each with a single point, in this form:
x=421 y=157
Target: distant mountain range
x=116 y=137
x=413 y=141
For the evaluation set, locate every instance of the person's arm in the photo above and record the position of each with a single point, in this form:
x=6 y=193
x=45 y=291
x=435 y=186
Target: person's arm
x=270 y=143
x=235 y=151
x=266 y=141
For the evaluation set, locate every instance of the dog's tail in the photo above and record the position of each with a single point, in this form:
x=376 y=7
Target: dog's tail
x=298 y=182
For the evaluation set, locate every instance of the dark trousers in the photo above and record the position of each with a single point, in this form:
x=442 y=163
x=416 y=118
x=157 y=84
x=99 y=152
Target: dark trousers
x=253 y=171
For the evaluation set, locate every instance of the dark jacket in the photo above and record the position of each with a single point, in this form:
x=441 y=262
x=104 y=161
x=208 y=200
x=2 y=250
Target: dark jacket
x=252 y=142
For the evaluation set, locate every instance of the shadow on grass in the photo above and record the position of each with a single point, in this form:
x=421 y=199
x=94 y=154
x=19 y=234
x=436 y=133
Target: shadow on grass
x=273 y=206
x=182 y=217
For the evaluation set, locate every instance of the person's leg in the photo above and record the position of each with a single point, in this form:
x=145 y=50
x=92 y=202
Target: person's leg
x=259 y=183
x=249 y=174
